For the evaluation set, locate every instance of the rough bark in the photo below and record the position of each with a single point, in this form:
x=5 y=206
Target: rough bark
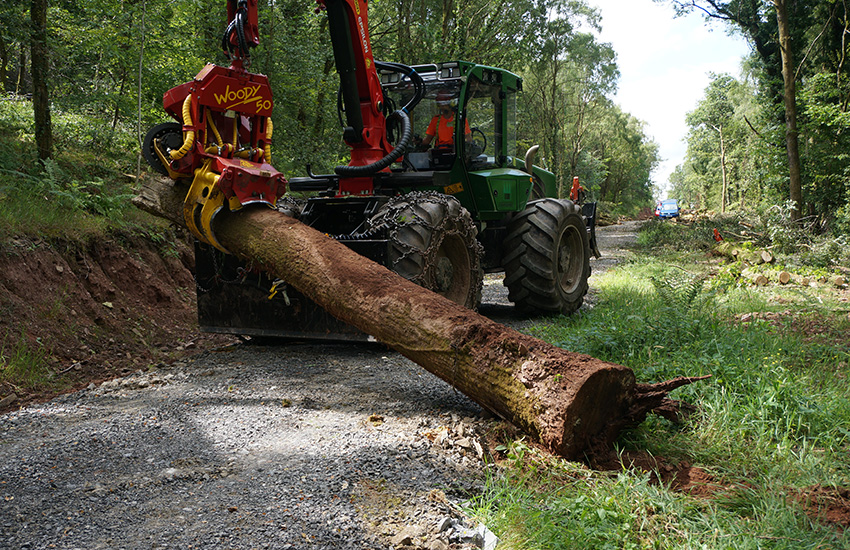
x=790 y=99
x=569 y=402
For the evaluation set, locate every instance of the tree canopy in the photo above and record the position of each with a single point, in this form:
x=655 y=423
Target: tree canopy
x=789 y=107
x=778 y=134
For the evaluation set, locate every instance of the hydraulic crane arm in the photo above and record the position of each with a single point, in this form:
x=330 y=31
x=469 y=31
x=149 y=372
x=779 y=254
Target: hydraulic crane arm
x=363 y=97
x=222 y=141
x=243 y=32
x=361 y=87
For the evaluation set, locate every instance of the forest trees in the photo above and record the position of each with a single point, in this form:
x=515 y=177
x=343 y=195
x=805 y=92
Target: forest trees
x=97 y=73
x=798 y=104
x=716 y=114
x=566 y=95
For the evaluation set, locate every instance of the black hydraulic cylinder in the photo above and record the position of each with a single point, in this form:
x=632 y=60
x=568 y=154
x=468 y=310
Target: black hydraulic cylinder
x=341 y=40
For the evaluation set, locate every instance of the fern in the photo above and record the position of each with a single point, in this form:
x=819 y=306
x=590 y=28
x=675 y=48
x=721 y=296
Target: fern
x=681 y=295
x=679 y=289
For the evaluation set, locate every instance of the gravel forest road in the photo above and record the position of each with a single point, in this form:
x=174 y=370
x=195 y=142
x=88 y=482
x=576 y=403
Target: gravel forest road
x=298 y=445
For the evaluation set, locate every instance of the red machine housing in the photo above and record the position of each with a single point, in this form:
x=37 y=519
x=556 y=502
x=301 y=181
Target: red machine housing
x=229 y=115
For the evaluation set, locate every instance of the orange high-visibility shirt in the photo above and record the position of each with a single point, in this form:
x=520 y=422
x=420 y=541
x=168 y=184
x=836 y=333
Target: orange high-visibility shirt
x=444 y=129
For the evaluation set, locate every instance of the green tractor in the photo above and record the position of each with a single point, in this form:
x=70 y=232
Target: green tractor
x=455 y=203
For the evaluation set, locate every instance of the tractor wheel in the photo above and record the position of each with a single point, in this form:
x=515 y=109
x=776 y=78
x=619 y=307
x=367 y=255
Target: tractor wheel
x=432 y=243
x=547 y=257
x=170 y=136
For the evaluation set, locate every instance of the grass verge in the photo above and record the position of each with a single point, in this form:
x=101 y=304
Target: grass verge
x=23 y=365
x=772 y=428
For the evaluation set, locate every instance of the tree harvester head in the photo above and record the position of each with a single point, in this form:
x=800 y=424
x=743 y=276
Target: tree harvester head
x=222 y=140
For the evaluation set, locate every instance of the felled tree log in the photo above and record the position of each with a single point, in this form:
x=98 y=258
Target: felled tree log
x=570 y=403
x=754 y=277
x=752 y=257
x=781 y=277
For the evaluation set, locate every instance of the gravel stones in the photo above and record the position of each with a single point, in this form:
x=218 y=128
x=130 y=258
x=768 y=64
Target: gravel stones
x=290 y=446
x=248 y=447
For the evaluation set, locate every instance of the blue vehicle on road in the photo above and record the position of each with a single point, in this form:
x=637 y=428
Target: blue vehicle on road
x=668 y=209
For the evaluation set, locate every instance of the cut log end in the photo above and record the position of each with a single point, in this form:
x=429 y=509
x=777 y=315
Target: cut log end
x=585 y=408
x=645 y=399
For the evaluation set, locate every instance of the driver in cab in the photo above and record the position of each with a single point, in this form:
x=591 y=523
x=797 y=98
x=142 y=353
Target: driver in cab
x=442 y=126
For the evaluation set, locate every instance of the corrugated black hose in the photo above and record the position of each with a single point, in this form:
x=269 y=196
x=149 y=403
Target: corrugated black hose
x=365 y=170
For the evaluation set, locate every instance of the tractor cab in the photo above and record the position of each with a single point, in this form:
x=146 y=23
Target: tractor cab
x=464 y=136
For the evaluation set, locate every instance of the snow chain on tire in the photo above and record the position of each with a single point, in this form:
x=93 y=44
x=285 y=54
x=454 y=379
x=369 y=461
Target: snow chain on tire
x=432 y=242
x=547 y=257
x=291 y=206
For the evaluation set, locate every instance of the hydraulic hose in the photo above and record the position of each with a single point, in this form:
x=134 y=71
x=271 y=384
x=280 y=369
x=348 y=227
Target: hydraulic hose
x=215 y=131
x=367 y=169
x=267 y=149
x=189 y=138
x=407 y=72
x=225 y=39
x=240 y=32
x=237 y=26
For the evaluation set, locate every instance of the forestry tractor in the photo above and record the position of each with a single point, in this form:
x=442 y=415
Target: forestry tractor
x=434 y=189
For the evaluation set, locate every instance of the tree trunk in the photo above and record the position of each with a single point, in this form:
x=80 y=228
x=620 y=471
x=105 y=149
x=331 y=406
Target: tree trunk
x=4 y=64
x=139 y=135
x=40 y=96
x=570 y=403
x=22 y=68
x=723 y=171
x=790 y=98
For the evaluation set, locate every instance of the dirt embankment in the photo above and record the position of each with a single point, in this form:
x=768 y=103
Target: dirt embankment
x=95 y=311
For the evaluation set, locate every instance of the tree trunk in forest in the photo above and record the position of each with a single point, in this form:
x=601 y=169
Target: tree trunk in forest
x=790 y=98
x=139 y=81
x=724 y=188
x=4 y=64
x=116 y=113
x=570 y=403
x=40 y=69
x=22 y=68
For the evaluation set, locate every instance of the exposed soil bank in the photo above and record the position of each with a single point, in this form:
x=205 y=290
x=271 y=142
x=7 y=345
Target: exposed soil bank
x=98 y=311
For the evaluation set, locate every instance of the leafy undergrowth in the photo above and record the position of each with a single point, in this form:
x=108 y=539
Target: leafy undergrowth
x=82 y=193
x=766 y=451
x=25 y=365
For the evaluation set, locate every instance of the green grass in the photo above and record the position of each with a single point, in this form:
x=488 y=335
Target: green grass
x=81 y=193
x=772 y=422
x=24 y=365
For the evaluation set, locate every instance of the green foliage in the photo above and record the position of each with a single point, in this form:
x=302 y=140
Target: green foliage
x=800 y=242
x=79 y=194
x=796 y=244
x=59 y=190
x=751 y=114
x=770 y=423
x=696 y=236
x=538 y=502
x=23 y=364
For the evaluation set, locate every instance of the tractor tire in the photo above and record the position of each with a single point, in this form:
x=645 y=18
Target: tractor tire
x=432 y=242
x=170 y=135
x=547 y=257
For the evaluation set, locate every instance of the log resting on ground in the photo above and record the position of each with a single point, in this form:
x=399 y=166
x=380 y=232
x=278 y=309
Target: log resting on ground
x=573 y=404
